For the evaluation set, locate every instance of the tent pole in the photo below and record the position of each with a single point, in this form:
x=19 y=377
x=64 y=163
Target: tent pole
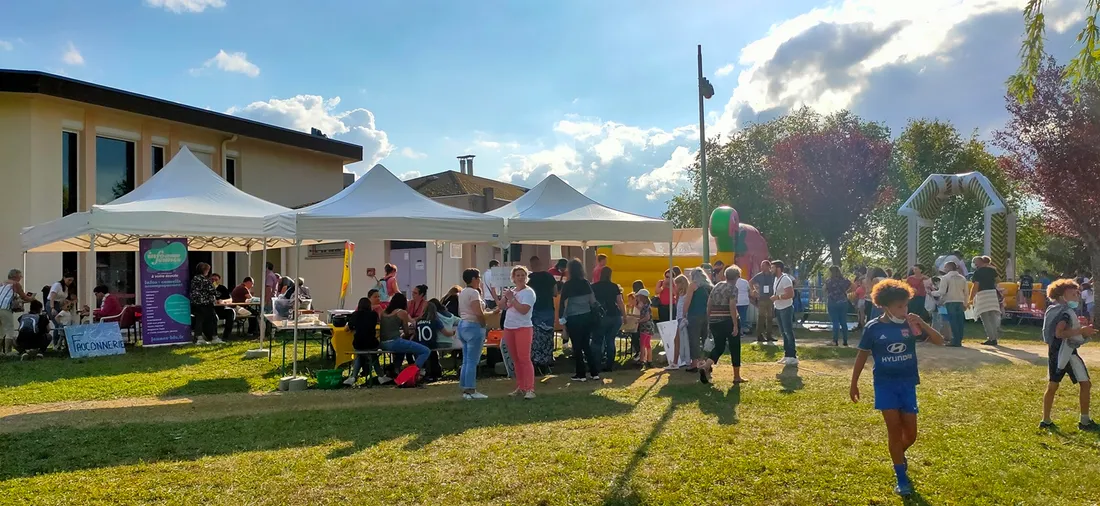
x=263 y=292
x=584 y=255
x=297 y=297
x=95 y=266
x=25 y=282
x=671 y=305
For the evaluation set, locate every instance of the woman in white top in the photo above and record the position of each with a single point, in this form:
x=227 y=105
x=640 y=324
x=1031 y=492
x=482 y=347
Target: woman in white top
x=58 y=293
x=471 y=332
x=519 y=331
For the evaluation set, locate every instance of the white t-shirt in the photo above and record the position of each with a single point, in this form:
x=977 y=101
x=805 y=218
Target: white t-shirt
x=1089 y=296
x=512 y=318
x=58 y=292
x=743 y=292
x=466 y=299
x=496 y=278
x=782 y=283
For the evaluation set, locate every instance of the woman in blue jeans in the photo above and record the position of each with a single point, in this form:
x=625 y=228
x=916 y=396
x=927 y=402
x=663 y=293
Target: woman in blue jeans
x=610 y=297
x=471 y=332
x=836 y=295
x=395 y=329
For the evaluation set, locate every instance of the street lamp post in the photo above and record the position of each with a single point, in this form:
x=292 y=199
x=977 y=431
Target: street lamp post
x=705 y=91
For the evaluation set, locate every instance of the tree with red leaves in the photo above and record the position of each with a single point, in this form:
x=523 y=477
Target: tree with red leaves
x=1051 y=150
x=832 y=179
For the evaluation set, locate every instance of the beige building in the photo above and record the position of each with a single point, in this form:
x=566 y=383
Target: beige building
x=66 y=145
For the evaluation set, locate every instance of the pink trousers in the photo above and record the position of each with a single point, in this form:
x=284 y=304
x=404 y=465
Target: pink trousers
x=519 y=347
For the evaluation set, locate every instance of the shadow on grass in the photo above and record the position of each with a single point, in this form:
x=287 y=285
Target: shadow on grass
x=209 y=386
x=915 y=500
x=789 y=380
x=53 y=451
x=61 y=367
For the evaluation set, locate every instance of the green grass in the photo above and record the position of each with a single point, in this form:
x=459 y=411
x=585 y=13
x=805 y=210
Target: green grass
x=780 y=439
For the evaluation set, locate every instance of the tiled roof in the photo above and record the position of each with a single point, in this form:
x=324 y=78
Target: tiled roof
x=451 y=183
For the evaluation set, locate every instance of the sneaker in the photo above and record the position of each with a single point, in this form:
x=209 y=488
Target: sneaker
x=474 y=396
x=579 y=379
x=516 y=393
x=529 y=395
x=782 y=361
x=595 y=377
x=351 y=381
x=382 y=380
x=1046 y=425
x=1091 y=426
x=671 y=367
x=201 y=342
x=217 y=340
x=792 y=361
x=904 y=489
x=26 y=356
x=989 y=342
x=759 y=340
x=771 y=339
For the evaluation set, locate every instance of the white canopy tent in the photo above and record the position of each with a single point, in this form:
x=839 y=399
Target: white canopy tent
x=554 y=213
x=380 y=205
x=183 y=199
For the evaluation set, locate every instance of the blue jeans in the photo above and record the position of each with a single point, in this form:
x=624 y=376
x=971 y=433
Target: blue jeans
x=786 y=327
x=403 y=346
x=609 y=330
x=743 y=320
x=472 y=337
x=364 y=364
x=955 y=318
x=838 y=313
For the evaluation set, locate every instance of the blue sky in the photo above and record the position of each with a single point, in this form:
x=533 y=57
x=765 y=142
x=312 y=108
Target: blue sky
x=600 y=93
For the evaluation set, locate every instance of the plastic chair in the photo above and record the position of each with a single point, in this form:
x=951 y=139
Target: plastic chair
x=127 y=320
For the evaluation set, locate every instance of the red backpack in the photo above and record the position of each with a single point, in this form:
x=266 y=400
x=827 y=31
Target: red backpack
x=407 y=377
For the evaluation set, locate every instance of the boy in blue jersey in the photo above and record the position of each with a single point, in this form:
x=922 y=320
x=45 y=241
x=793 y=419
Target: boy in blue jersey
x=891 y=340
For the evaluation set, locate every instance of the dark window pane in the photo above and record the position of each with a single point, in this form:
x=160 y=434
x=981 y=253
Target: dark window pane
x=69 y=264
x=158 y=158
x=194 y=258
x=69 y=189
x=114 y=169
x=231 y=171
x=231 y=270
x=117 y=272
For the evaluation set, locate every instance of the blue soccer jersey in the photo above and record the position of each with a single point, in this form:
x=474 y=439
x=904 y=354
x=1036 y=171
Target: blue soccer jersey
x=893 y=349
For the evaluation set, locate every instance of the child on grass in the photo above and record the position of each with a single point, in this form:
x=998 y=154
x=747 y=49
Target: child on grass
x=32 y=338
x=1063 y=333
x=890 y=340
x=645 y=325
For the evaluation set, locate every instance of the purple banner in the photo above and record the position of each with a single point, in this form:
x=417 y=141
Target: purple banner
x=165 y=306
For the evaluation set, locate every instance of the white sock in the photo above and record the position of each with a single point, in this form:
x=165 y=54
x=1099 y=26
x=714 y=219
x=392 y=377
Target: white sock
x=1085 y=418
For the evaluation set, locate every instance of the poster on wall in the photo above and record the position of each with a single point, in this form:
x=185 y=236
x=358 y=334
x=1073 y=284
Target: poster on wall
x=165 y=306
x=345 y=279
x=94 y=340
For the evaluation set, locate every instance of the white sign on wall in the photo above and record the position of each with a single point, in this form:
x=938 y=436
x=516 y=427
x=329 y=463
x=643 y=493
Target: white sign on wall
x=456 y=250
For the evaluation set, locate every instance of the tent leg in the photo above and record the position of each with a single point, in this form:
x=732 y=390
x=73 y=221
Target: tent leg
x=671 y=306
x=297 y=297
x=25 y=282
x=90 y=296
x=263 y=294
x=584 y=255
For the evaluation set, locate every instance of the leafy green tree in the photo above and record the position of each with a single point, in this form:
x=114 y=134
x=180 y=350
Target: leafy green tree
x=1082 y=68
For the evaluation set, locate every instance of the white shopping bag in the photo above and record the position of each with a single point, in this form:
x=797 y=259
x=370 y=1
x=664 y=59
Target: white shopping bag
x=969 y=314
x=667 y=331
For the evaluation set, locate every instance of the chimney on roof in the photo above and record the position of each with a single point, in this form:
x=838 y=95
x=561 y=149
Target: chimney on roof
x=466 y=164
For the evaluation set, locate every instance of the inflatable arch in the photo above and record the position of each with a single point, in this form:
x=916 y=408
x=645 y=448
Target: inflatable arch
x=925 y=204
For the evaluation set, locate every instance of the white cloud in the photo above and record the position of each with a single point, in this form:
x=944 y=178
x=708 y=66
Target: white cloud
x=412 y=174
x=495 y=145
x=724 y=70
x=72 y=56
x=6 y=46
x=412 y=154
x=181 y=6
x=303 y=112
x=668 y=178
x=229 y=62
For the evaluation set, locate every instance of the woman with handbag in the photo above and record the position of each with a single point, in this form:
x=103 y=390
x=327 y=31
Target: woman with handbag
x=12 y=298
x=471 y=332
x=580 y=315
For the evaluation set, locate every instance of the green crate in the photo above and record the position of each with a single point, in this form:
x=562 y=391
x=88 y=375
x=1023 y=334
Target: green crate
x=329 y=379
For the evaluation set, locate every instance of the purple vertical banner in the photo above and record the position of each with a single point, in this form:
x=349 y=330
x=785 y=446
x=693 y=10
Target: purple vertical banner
x=165 y=306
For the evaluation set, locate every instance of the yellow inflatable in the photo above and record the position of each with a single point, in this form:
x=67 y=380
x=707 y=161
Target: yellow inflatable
x=648 y=262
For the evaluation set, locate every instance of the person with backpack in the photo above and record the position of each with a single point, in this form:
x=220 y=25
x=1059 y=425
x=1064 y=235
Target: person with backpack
x=431 y=332
x=1063 y=334
x=33 y=333
x=364 y=326
x=12 y=298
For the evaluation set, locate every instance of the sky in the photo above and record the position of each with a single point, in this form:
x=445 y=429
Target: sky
x=601 y=94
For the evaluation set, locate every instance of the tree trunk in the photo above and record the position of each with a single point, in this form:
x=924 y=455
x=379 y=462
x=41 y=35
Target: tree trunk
x=1094 y=259
x=834 y=252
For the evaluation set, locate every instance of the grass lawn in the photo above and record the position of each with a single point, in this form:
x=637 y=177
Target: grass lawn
x=789 y=436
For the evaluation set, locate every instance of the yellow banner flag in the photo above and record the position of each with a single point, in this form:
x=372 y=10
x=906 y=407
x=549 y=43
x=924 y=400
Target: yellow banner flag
x=345 y=281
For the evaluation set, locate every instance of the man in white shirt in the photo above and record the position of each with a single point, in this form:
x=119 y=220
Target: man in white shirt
x=492 y=284
x=743 y=302
x=783 y=299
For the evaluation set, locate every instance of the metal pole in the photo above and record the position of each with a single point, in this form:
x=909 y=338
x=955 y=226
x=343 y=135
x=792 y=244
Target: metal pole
x=297 y=297
x=703 y=204
x=95 y=266
x=263 y=293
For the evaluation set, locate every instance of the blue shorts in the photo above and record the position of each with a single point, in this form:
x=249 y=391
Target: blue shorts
x=899 y=395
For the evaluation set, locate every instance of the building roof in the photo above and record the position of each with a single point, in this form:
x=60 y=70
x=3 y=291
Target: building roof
x=25 y=81
x=451 y=183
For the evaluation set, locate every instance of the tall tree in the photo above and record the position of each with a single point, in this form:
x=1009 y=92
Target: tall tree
x=1083 y=68
x=1051 y=145
x=831 y=178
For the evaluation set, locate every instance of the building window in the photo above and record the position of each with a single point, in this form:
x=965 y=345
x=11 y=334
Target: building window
x=114 y=177
x=69 y=188
x=158 y=158
x=231 y=171
x=231 y=270
x=70 y=264
x=206 y=158
x=114 y=169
